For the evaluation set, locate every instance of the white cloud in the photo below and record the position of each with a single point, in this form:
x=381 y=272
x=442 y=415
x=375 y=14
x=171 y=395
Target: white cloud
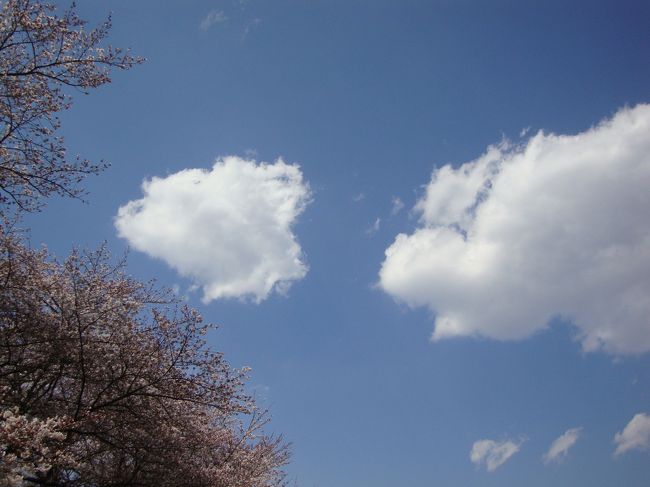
x=250 y=26
x=558 y=226
x=635 y=436
x=559 y=449
x=357 y=198
x=492 y=454
x=213 y=17
x=397 y=205
x=227 y=228
x=374 y=228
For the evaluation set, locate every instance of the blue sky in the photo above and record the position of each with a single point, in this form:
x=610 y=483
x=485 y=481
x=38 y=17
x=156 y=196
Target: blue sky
x=526 y=251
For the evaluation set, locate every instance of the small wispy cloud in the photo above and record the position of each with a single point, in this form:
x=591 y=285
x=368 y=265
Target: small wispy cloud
x=374 y=228
x=250 y=26
x=560 y=447
x=492 y=454
x=397 y=205
x=635 y=436
x=212 y=18
x=359 y=197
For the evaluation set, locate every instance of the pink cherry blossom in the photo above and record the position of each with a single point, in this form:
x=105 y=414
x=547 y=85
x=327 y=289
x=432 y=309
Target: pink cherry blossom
x=105 y=380
x=43 y=58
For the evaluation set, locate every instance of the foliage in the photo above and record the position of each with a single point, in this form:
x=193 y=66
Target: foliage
x=41 y=56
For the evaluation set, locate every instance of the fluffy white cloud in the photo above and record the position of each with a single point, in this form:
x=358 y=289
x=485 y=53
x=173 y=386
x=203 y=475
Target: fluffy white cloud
x=227 y=228
x=560 y=447
x=635 y=436
x=558 y=226
x=492 y=454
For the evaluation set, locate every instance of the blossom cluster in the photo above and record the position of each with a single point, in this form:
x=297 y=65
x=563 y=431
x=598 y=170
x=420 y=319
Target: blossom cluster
x=42 y=57
x=106 y=380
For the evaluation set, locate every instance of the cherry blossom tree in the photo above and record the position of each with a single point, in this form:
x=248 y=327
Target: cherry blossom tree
x=104 y=380
x=44 y=58
x=107 y=381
